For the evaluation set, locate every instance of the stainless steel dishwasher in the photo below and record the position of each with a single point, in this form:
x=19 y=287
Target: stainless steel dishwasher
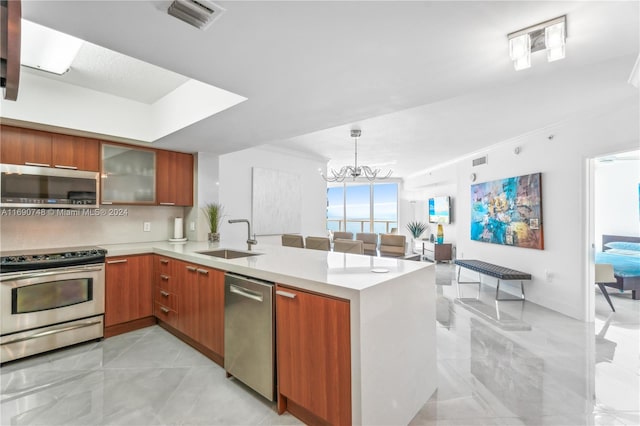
x=249 y=346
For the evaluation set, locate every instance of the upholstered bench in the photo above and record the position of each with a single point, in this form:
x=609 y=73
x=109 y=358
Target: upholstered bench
x=496 y=271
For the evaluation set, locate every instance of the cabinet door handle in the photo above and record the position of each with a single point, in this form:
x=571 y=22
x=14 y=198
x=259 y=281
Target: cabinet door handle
x=167 y=204
x=106 y=202
x=286 y=294
x=192 y=269
x=27 y=163
x=163 y=309
x=164 y=277
x=203 y=271
x=58 y=166
x=111 y=262
x=164 y=293
x=164 y=261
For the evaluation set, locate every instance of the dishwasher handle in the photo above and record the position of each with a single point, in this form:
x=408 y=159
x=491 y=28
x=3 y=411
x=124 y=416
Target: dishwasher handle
x=244 y=292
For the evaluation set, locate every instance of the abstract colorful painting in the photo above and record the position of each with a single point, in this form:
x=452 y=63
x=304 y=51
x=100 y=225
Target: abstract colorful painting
x=508 y=211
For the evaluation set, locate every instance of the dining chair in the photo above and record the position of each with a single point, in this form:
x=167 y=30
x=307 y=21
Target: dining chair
x=318 y=243
x=348 y=246
x=292 y=240
x=392 y=245
x=604 y=275
x=339 y=235
x=369 y=242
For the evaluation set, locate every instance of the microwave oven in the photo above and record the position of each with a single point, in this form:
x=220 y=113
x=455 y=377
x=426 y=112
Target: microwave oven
x=45 y=187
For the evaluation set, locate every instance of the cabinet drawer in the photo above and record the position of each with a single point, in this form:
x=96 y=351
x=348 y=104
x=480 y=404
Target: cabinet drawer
x=166 y=282
x=165 y=314
x=166 y=298
x=164 y=265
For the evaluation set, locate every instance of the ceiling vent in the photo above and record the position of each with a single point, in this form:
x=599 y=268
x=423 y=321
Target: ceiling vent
x=479 y=161
x=199 y=13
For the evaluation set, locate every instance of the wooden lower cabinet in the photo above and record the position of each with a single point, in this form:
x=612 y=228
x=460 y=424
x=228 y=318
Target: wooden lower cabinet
x=128 y=293
x=165 y=290
x=313 y=356
x=190 y=299
x=211 y=309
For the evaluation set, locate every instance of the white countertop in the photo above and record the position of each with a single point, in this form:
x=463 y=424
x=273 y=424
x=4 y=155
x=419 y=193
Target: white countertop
x=339 y=274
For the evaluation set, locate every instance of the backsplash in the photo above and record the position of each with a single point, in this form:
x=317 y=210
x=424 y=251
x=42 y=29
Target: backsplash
x=67 y=228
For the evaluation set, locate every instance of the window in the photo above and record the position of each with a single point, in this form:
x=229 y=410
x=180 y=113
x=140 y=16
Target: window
x=357 y=207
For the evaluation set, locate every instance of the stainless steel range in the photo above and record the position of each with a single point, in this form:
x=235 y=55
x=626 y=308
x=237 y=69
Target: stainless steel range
x=50 y=299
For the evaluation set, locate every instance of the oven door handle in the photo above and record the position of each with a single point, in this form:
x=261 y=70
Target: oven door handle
x=52 y=331
x=48 y=274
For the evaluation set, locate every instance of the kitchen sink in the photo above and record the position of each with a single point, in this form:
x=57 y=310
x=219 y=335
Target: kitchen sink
x=227 y=254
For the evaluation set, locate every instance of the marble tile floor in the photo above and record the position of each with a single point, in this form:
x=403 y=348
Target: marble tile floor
x=517 y=364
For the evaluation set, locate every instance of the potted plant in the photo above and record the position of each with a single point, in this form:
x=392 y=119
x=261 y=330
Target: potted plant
x=214 y=214
x=417 y=228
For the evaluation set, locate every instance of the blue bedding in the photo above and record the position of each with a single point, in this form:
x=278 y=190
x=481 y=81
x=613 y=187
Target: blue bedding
x=626 y=263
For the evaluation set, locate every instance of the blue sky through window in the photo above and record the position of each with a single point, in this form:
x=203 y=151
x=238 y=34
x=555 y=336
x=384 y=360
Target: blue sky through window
x=385 y=207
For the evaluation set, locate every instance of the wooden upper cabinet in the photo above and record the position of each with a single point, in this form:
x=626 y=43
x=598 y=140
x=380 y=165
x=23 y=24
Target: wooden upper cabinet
x=75 y=152
x=25 y=146
x=174 y=175
x=37 y=148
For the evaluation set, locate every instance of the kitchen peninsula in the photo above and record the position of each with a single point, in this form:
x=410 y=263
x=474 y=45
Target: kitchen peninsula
x=391 y=310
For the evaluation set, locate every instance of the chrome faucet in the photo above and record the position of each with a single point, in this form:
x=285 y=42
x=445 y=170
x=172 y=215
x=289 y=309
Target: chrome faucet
x=250 y=241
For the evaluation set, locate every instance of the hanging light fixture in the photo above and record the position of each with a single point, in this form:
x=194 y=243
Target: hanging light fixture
x=549 y=35
x=355 y=171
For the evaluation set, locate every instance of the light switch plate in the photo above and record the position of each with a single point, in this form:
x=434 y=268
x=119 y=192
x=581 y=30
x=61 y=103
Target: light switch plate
x=146 y=226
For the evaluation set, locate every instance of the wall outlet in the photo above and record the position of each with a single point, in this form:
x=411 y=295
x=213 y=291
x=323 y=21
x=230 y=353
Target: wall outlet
x=146 y=226
x=192 y=226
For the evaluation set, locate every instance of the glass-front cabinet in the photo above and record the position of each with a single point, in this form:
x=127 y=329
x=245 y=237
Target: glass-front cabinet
x=128 y=175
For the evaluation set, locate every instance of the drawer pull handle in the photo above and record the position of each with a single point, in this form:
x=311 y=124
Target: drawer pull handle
x=59 y=166
x=285 y=294
x=163 y=309
x=27 y=163
x=164 y=277
x=164 y=261
x=164 y=293
x=191 y=269
x=203 y=271
x=111 y=262
x=106 y=202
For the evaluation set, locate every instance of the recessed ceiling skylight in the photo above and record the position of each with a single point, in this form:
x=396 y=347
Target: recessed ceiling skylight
x=46 y=49
x=101 y=91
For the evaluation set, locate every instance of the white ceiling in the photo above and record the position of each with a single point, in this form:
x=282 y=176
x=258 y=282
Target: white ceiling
x=425 y=81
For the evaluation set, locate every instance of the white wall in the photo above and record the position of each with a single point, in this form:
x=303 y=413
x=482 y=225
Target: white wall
x=57 y=229
x=206 y=184
x=560 y=271
x=444 y=183
x=235 y=190
x=616 y=199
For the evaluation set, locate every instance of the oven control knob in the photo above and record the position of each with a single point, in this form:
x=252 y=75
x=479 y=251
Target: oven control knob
x=21 y=259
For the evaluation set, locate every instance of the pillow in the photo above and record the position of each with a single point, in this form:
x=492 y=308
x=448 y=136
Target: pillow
x=632 y=253
x=623 y=245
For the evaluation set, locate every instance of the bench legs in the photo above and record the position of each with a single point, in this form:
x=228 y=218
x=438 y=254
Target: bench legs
x=521 y=298
x=458 y=282
x=479 y=282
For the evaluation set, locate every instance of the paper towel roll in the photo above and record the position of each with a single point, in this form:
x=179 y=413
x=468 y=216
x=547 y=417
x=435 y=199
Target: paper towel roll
x=177 y=228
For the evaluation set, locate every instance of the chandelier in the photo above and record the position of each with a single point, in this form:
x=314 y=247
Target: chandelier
x=355 y=171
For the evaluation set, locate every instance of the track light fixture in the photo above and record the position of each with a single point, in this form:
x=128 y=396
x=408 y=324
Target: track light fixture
x=549 y=35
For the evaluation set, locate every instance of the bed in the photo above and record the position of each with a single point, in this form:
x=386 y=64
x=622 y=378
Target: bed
x=624 y=254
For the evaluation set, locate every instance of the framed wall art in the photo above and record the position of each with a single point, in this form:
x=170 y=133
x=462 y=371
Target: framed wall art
x=508 y=211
